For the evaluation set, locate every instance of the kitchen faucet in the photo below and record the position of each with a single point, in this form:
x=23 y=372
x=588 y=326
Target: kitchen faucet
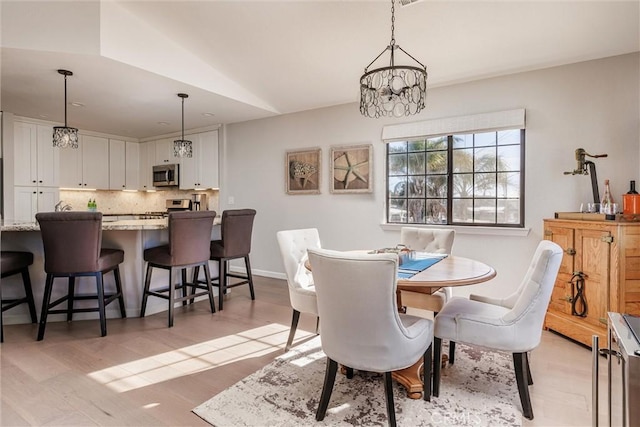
x=60 y=208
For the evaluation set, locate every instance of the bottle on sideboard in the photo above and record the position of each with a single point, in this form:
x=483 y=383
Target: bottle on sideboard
x=631 y=200
x=632 y=188
x=607 y=203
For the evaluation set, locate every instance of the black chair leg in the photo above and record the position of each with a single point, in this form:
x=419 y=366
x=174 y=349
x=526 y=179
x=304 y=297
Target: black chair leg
x=172 y=291
x=207 y=276
x=1 y=327
x=529 y=377
x=426 y=373
x=437 y=356
x=46 y=300
x=327 y=388
x=452 y=352
x=292 y=331
x=349 y=372
x=101 y=310
x=70 y=297
x=318 y=325
x=247 y=264
x=183 y=278
x=145 y=293
x=388 y=391
x=28 y=292
x=123 y=310
x=196 y=273
x=519 y=363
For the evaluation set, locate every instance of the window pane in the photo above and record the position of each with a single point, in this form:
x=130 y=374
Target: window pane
x=463 y=141
x=509 y=211
x=397 y=186
x=462 y=210
x=463 y=160
x=485 y=160
x=436 y=211
x=437 y=162
x=397 y=210
x=397 y=147
x=416 y=186
x=437 y=186
x=484 y=210
x=416 y=211
x=484 y=139
x=398 y=164
x=484 y=185
x=439 y=143
x=509 y=158
x=508 y=185
x=463 y=185
x=418 y=145
x=509 y=137
x=416 y=163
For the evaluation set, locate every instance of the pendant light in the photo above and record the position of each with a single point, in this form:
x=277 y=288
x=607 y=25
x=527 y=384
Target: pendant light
x=64 y=136
x=182 y=147
x=394 y=90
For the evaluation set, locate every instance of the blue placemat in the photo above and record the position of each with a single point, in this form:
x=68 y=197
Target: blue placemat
x=410 y=268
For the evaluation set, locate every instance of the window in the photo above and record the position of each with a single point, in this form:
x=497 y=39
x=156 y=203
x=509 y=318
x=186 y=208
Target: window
x=458 y=179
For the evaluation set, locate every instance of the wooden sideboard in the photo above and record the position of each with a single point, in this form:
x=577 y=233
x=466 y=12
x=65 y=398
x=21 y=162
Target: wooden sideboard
x=607 y=256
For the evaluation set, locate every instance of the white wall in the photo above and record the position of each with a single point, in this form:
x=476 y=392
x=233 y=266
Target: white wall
x=593 y=105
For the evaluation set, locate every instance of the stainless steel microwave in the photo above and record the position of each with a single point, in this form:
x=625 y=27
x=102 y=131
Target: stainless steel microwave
x=166 y=175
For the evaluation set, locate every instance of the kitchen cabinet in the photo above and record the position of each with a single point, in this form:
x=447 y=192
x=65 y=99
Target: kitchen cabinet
x=147 y=160
x=164 y=152
x=124 y=166
x=87 y=166
x=201 y=170
x=600 y=273
x=36 y=160
x=29 y=200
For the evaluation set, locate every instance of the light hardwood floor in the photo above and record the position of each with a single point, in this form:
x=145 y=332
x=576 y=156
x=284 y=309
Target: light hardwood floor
x=145 y=374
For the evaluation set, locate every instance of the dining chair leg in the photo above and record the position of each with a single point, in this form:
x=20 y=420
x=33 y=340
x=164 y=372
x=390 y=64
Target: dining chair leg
x=292 y=331
x=101 y=309
x=222 y=282
x=196 y=272
x=452 y=352
x=123 y=310
x=172 y=291
x=349 y=372
x=145 y=293
x=46 y=300
x=28 y=292
x=529 y=376
x=519 y=363
x=327 y=388
x=183 y=278
x=70 y=297
x=318 y=325
x=207 y=276
x=437 y=356
x=388 y=391
x=426 y=373
x=247 y=264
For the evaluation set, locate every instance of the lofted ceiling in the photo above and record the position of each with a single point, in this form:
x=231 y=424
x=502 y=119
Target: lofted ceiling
x=244 y=60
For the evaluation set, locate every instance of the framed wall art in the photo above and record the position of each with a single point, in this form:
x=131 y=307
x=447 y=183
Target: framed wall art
x=303 y=171
x=351 y=168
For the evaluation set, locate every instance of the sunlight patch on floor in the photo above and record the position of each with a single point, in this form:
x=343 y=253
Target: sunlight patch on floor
x=195 y=358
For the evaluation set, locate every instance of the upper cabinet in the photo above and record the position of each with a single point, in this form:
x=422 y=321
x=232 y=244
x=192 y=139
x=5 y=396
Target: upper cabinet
x=201 y=170
x=36 y=160
x=164 y=152
x=87 y=166
x=147 y=160
x=124 y=166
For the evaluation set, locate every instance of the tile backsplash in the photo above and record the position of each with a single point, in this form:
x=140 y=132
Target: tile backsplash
x=124 y=202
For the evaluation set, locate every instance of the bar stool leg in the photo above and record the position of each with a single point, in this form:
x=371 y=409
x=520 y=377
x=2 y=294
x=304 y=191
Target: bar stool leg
x=46 y=299
x=101 y=310
x=145 y=293
x=172 y=290
x=26 y=281
x=196 y=272
x=123 y=310
x=222 y=281
x=1 y=327
x=207 y=275
x=71 y=294
x=247 y=263
x=183 y=274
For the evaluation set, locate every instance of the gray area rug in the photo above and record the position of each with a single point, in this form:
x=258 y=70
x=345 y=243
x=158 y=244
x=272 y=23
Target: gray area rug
x=478 y=390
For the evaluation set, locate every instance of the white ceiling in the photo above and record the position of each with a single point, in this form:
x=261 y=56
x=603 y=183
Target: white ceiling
x=242 y=60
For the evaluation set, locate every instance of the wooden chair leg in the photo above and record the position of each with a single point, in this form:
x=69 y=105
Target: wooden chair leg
x=1 y=310
x=196 y=273
x=207 y=276
x=247 y=264
x=519 y=363
x=145 y=293
x=452 y=352
x=101 y=309
x=292 y=331
x=349 y=372
x=222 y=282
x=437 y=356
x=172 y=291
x=327 y=388
x=529 y=376
x=426 y=373
x=183 y=276
x=28 y=292
x=388 y=391
x=123 y=310
x=46 y=300
x=70 y=297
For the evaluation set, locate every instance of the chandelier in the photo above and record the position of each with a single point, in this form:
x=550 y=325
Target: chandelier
x=182 y=147
x=64 y=136
x=396 y=90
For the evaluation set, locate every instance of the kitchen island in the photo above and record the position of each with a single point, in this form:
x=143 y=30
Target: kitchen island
x=133 y=236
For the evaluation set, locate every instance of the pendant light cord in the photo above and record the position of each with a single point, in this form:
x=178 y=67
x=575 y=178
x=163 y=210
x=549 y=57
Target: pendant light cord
x=183 y=119
x=65 y=100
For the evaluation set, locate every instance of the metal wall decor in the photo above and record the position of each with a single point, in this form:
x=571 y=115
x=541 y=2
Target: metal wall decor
x=64 y=136
x=182 y=147
x=396 y=90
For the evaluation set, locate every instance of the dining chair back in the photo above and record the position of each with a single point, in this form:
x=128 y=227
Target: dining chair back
x=14 y=263
x=361 y=326
x=302 y=294
x=514 y=327
x=72 y=244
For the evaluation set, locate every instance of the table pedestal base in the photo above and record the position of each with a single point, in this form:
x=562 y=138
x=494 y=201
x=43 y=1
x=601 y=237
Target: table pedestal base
x=411 y=377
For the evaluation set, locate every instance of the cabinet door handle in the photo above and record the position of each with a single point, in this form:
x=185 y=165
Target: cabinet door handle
x=570 y=251
x=34 y=181
x=40 y=181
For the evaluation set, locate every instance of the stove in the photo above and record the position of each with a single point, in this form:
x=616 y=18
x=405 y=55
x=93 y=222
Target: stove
x=153 y=215
x=178 y=205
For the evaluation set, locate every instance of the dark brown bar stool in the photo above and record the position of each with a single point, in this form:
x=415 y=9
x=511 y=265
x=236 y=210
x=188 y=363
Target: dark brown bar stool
x=189 y=239
x=237 y=226
x=72 y=248
x=12 y=263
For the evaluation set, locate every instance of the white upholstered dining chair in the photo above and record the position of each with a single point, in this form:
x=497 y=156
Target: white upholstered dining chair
x=512 y=324
x=434 y=240
x=293 y=247
x=361 y=326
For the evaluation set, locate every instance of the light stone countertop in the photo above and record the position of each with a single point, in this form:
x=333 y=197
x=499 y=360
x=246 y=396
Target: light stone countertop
x=132 y=224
